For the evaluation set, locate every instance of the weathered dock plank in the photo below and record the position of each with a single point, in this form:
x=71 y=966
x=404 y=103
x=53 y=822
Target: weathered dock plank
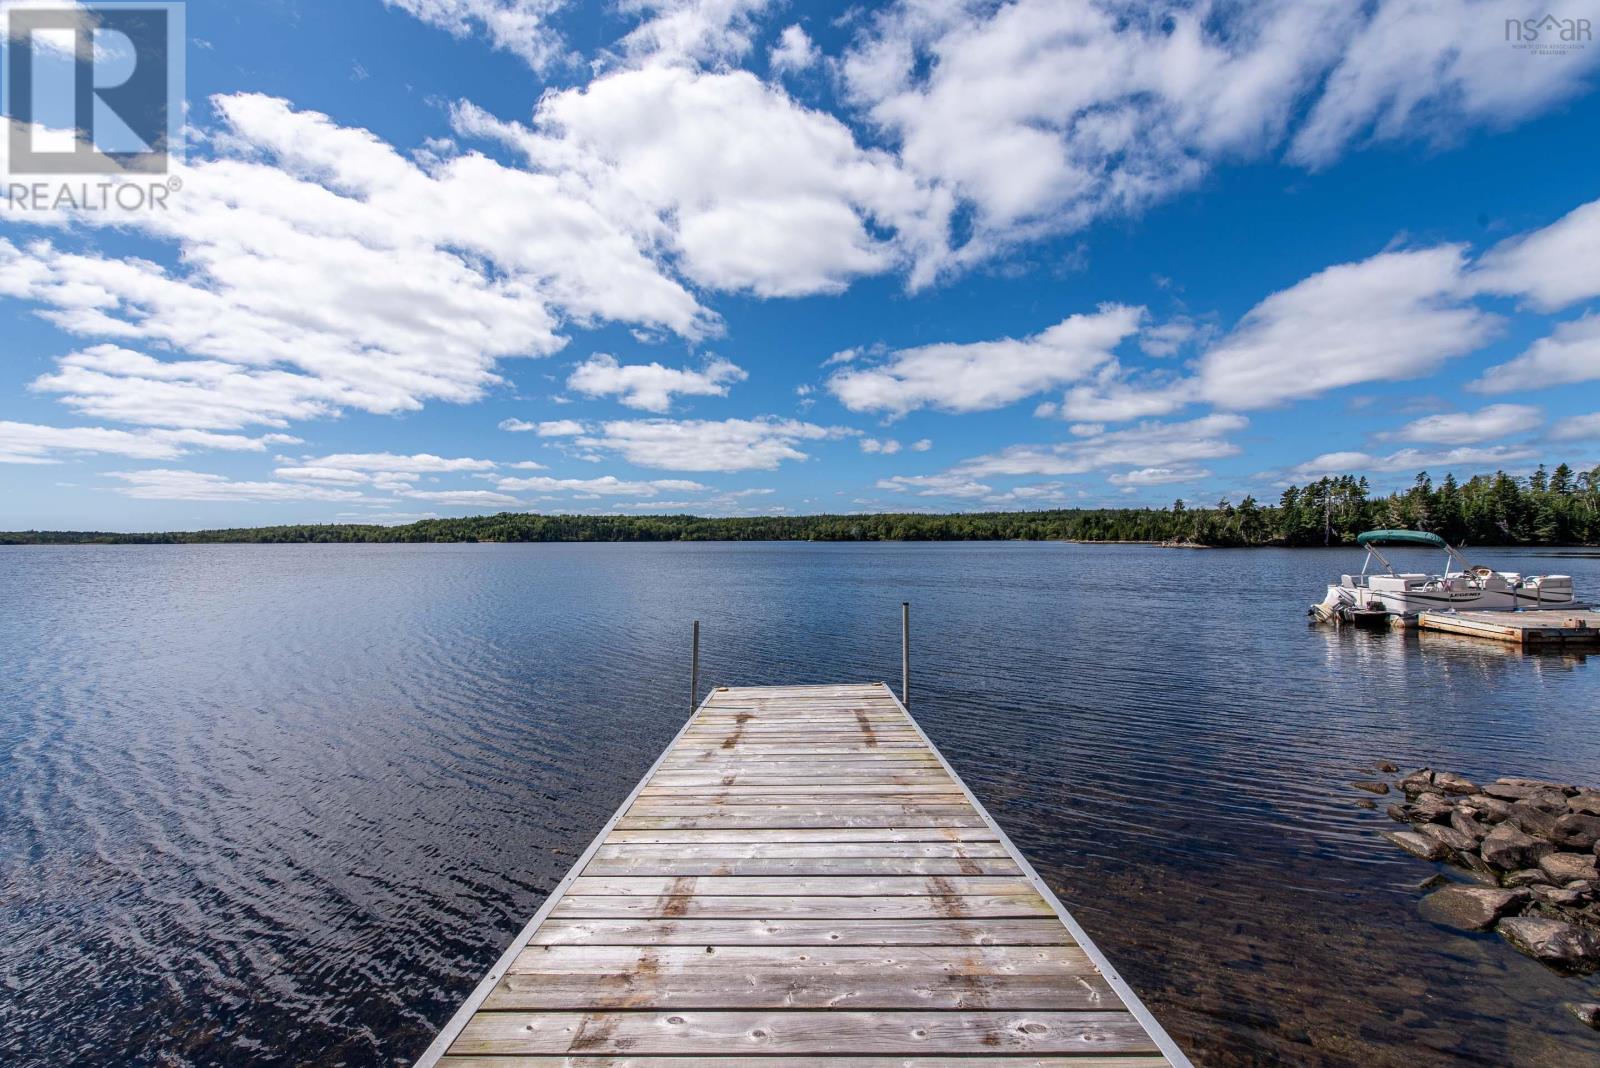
x=802 y=878
x=1543 y=627
x=789 y=1062
x=791 y=932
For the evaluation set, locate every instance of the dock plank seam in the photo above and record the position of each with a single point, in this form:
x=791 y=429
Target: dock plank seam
x=731 y=913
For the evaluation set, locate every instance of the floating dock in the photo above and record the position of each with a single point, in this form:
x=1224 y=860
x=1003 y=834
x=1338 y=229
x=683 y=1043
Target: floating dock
x=802 y=879
x=1538 y=628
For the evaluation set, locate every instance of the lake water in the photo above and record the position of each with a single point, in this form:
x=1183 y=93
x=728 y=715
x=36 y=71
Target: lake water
x=285 y=804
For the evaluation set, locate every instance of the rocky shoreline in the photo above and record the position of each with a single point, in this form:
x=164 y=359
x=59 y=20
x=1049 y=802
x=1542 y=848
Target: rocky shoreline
x=1531 y=846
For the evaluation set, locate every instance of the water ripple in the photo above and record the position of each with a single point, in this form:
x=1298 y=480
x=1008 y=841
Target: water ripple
x=284 y=804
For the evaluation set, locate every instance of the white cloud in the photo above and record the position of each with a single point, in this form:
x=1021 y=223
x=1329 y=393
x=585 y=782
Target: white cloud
x=312 y=473
x=1577 y=428
x=1430 y=68
x=651 y=387
x=554 y=428
x=986 y=374
x=1553 y=267
x=387 y=472
x=1410 y=461
x=1151 y=444
x=81 y=16
x=607 y=486
x=320 y=270
x=461 y=498
x=691 y=31
x=1159 y=476
x=30 y=443
x=1045 y=116
x=1331 y=464
x=422 y=463
x=1167 y=339
x=793 y=52
x=1470 y=428
x=110 y=382
x=747 y=189
x=521 y=27
x=164 y=484
x=704 y=445
x=1394 y=316
x=922 y=446
x=561 y=428
x=887 y=447
x=1115 y=401
x=1570 y=354
x=946 y=485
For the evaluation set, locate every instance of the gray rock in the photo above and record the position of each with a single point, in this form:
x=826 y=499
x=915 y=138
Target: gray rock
x=1550 y=800
x=1563 y=868
x=1555 y=895
x=1588 y=804
x=1452 y=783
x=1471 y=908
x=1508 y=849
x=1386 y=767
x=1399 y=813
x=1509 y=791
x=1539 y=784
x=1371 y=786
x=1464 y=822
x=1576 y=831
x=1417 y=782
x=1418 y=845
x=1486 y=808
x=1431 y=808
x=1560 y=945
x=1533 y=820
x=1432 y=882
x=1586 y=1012
x=1449 y=837
x=1365 y=802
x=1525 y=877
x=1481 y=870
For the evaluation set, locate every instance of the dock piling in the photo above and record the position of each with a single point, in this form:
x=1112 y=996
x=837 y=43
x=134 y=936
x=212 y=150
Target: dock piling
x=905 y=653
x=694 y=670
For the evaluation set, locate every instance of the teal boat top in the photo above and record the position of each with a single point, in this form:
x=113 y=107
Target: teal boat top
x=1401 y=537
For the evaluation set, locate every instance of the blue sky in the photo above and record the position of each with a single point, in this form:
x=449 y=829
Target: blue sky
x=444 y=257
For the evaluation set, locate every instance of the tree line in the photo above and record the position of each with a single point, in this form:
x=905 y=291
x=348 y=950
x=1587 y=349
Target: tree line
x=1559 y=507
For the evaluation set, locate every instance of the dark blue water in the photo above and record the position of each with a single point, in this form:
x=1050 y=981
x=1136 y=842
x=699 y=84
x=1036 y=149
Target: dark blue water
x=285 y=804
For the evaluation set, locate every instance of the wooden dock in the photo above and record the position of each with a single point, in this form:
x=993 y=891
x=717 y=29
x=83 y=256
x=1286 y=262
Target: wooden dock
x=802 y=879
x=1545 y=627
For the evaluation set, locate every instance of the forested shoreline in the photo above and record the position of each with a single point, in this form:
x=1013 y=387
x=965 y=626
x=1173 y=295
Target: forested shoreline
x=1559 y=507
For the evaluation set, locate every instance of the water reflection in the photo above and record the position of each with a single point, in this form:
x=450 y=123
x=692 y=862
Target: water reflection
x=283 y=804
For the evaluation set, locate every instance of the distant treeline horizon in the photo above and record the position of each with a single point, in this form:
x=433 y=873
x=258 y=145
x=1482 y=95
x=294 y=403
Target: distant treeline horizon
x=1559 y=507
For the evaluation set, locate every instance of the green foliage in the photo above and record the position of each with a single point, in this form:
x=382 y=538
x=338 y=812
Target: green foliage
x=1557 y=508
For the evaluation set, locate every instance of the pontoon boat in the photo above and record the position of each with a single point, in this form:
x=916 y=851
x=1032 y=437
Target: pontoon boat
x=1467 y=588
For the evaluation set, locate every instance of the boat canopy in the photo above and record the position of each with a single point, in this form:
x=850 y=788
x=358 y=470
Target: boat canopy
x=1401 y=537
